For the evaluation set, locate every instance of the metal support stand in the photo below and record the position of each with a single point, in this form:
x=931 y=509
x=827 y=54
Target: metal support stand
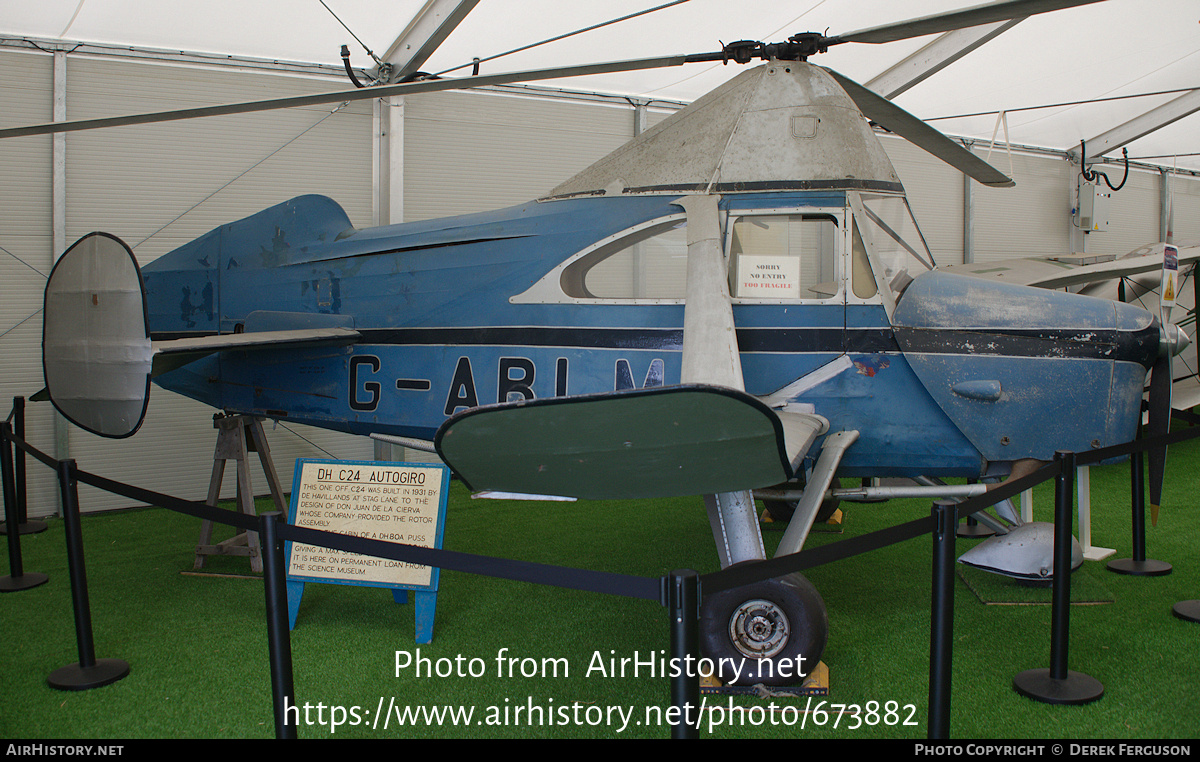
x=279 y=642
x=24 y=525
x=232 y=444
x=683 y=605
x=88 y=672
x=941 y=625
x=1138 y=565
x=972 y=529
x=17 y=578
x=1059 y=685
x=1083 y=481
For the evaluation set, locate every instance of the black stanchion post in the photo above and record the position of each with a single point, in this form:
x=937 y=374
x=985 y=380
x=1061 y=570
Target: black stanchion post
x=1137 y=502
x=279 y=642
x=1138 y=565
x=1060 y=597
x=1059 y=685
x=17 y=579
x=27 y=526
x=88 y=672
x=941 y=624
x=19 y=430
x=683 y=605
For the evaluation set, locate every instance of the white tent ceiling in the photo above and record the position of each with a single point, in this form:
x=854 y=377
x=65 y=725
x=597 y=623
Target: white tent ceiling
x=1114 y=48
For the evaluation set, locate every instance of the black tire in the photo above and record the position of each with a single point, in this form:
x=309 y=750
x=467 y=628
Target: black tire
x=773 y=630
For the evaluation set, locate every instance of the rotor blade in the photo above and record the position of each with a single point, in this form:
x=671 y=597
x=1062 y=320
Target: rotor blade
x=948 y=22
x=340 y=96
x=710 y=349
x=1160 y=424
x=593 y=27
x=879 y=109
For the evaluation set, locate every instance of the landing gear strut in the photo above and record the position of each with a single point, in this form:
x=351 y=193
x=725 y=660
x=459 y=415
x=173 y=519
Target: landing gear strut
x=782 y=510
x=773 y=630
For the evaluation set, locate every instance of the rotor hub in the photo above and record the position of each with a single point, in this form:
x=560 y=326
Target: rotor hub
x=797 y=48
x=806 y=44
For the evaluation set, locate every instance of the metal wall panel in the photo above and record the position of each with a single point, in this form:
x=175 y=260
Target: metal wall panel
x=656 y=115
x=1031 y=219
x=473 y=151
x=1187 y=209
x=935 y=191
x=1134 y=217
x=26 y=234
x=136 y=181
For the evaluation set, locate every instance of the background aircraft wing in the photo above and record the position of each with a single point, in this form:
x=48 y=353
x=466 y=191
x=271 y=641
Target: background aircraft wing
x=1075 y=269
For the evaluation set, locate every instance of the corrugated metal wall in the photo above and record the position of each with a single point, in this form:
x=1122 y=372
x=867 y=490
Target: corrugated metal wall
x=25 y=245
x=1187 y=208
x=470 y=152
x=1135 y=214
x=158 y=186
x=935 y=192
x=1032 y=219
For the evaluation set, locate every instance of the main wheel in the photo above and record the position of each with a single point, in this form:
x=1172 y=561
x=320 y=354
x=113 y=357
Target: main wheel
x=771 y=632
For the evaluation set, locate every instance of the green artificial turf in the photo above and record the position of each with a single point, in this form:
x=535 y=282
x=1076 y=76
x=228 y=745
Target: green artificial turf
x=197 y=645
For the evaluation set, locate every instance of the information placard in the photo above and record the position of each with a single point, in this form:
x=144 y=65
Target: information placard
x=769 y=277
x=393 y=502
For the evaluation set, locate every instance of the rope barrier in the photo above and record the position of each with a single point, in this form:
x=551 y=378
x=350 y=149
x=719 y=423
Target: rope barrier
x=608 y=582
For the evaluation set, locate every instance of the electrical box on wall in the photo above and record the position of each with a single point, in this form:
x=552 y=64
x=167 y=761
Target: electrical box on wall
x=1091 y=213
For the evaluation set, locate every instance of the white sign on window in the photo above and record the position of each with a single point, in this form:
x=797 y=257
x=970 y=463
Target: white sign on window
x=769 y=277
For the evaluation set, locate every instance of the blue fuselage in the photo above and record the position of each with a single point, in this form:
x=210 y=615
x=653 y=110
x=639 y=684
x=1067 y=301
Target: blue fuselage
x=441 y=329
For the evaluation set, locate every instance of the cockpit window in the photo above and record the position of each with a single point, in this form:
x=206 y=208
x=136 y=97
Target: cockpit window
x=861 y=278
x=896 y=241
x=783 y=256
x=650 y=263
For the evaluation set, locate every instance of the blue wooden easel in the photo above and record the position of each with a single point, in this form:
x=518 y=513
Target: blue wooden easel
x=425 y=596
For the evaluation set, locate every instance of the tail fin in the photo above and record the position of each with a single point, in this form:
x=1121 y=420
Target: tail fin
x=96 y=350
x=280 y=235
